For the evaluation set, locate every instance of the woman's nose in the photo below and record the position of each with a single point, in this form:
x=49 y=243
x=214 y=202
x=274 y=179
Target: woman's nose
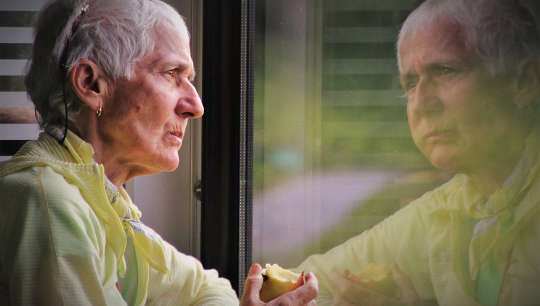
x=190 y=104
x=425 y=99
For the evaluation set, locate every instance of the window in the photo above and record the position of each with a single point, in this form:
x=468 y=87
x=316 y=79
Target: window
x=305 y=135
x=332 y=150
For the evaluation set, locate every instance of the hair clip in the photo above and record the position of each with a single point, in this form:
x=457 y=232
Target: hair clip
x=77 y=20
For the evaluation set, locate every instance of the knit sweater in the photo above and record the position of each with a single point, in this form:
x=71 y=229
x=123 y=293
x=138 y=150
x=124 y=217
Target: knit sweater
x=66 y=232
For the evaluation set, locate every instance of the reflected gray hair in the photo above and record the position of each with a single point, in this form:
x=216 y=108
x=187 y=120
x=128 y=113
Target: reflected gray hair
x=500 y=32
x=114 y=34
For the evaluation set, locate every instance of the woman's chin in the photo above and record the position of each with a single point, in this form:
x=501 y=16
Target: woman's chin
x=168 y=162
x=444 y=159
x=172 y=164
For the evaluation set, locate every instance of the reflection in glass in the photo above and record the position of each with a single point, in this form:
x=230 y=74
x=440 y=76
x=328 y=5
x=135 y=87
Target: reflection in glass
x=333 y=151
x=471 y=75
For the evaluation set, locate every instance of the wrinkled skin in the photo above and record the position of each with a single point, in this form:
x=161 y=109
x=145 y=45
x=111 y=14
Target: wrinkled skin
x=459 y=115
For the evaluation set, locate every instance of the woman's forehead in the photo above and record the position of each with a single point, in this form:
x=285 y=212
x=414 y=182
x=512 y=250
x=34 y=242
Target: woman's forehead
x=171 y=48
x=441 y=38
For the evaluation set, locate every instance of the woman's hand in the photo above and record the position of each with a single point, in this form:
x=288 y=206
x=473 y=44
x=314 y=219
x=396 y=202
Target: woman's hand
x=349 y=291
x=303 y=295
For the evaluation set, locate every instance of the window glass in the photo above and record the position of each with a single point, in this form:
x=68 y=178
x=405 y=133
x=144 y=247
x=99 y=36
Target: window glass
x=333 y=153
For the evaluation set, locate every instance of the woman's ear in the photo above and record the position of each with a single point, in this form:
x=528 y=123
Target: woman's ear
x=526 y=84
x=89 y=83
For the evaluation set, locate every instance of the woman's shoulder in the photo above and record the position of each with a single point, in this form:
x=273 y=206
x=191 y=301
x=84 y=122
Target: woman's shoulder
x=29 y=181
x=439 y=196
x=44 y=212
x=44 y=188
x=417 y=213
x=35 y=178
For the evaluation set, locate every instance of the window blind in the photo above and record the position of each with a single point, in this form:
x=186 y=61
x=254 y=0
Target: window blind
x=363 y=111
x=17 y=118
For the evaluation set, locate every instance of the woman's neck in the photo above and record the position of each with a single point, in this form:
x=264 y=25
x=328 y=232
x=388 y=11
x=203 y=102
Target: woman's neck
x=494 y=171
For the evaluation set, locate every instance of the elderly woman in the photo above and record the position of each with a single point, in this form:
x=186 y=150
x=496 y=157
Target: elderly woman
x=110 y=80
x=471 y=72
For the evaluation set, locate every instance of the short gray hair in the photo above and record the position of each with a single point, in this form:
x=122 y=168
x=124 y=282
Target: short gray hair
x=500 y=32
x=114 y=34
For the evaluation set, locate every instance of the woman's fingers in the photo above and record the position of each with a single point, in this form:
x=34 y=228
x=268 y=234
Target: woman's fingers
x=407 y=293
x=303 y=295
x=309 y=290
x=252 y=286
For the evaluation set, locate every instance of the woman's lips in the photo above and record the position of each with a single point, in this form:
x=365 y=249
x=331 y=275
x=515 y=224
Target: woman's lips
x=176 y=137
x=439 y=136
x=177 y=134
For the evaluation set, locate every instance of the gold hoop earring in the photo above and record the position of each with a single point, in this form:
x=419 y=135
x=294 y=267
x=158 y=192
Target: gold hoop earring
x=99 y=111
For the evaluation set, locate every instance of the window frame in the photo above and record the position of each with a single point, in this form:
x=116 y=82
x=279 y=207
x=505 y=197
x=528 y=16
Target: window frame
x=228 y=29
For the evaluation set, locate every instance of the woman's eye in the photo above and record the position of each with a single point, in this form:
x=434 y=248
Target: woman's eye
x=408 y=81
x=408 y=85
x=173 y=74
x=445 y=70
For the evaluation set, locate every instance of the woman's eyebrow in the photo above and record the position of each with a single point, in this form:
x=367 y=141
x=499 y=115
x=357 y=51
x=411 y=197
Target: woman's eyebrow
x=186 y=68
x=183 y=67
x=404 y=77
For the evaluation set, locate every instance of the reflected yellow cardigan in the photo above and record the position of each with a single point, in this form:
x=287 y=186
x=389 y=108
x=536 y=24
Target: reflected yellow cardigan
x=63 y=237
x=442 y=239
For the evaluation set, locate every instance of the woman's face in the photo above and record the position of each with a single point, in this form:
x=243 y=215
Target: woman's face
x=144 y=121
x=460 y=117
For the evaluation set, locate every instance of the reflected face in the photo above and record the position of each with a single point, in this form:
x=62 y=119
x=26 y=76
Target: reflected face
x=458 y=114
x=144 y=121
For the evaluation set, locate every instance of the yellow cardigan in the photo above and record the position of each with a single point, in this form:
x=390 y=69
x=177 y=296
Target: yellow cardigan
x=62 y=240
x=432 y=242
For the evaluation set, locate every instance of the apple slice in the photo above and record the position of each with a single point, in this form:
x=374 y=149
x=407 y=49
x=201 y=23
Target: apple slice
x=278 y=281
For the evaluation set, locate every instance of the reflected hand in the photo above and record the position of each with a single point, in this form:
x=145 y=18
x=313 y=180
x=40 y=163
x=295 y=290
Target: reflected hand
x=303 y=295
x=350 y=291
